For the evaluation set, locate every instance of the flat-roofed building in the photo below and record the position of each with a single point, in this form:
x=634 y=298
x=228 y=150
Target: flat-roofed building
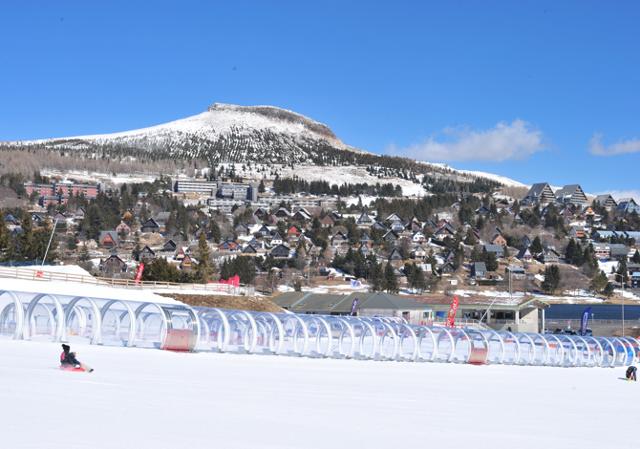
x=200 y=186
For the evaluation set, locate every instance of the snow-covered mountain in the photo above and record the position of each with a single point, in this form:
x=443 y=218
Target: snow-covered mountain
x=225 y=132
x=252 y=135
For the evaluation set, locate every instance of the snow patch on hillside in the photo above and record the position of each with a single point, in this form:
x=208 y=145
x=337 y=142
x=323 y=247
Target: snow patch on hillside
x=351 y=174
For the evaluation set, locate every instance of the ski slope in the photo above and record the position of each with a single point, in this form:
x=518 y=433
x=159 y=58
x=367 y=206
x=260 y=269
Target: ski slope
x=152 y=399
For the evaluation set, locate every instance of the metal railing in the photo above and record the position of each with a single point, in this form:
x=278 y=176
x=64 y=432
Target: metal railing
x=29 y=274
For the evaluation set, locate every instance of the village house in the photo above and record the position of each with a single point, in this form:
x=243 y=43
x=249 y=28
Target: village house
x=150 y=225
x=108 y=239
x=113 y=265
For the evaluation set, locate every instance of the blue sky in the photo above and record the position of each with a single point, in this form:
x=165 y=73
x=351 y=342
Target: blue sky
x=532 y=90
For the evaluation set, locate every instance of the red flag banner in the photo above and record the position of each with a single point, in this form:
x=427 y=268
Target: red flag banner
x=233 y=280
x=139 y=273
x=451 y=316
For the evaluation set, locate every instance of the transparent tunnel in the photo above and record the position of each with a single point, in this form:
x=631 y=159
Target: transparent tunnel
x=174 y=326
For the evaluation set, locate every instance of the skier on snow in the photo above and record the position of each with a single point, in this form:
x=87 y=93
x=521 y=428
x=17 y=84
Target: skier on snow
x=68 y=359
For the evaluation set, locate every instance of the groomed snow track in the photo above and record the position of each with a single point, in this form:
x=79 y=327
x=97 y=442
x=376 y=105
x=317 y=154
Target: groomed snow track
x=80 y=319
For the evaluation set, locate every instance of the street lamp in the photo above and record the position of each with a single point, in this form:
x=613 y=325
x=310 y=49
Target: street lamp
x=622 y=276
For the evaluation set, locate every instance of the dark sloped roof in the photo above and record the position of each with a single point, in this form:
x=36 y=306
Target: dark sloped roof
x=336 y=303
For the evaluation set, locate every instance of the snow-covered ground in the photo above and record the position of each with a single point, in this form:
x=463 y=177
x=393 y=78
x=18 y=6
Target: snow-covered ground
x=107 y=178
x=64 y=288
x=140 y=399
x=350 y=174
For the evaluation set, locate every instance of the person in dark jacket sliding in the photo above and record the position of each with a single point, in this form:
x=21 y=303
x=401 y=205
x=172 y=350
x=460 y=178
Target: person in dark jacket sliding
x=68 y=359
x=631 y=373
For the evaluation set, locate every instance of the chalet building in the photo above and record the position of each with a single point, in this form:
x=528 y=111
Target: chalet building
x=478 y=270
x=364 y=249
x=249 y=249
x=108 y=239
x=397 y=226
x=496 y=249
x=10 y=219
x=393 y=217
x=147 y=254
x=444 y=231
x=301 y=215
x=150 y=225
x=280 y=252
x=181 y=253
x=294 y=231
x=264 y=231
x=327 y=221
x=282 y=213
x=606 y=201
x=169 y=246
x=618 y=251
x=418 y=252
x=38 y=220
x=276 y=239
x=525 y=255
x=539 y=194
x=628 y=206
x=187 y=263
x=414 y=225
x=260 y=213
x=418 y=237
x=571 y=194
x=602 y=250
x=241 y=229
x=364 y=220
x=395 y=255
x=366 y=240
x=390 y=237
x=123 y=229
x=379 y=226
x=498 y=239
x=228 y=245
x=448 y=269
x=549 y=256
x=577 y=232
x=113 y=265
x=338 y=239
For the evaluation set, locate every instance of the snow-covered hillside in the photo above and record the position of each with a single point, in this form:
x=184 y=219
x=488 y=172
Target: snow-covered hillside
x=152 y=399
x=224 y=132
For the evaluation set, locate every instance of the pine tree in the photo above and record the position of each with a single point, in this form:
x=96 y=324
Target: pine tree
x=608 y=290
x=536 y=246
x=470 y=239
x=215 y=231
x=599 y=282
x=4 y=235
x=203 y=270
x=623 y=271
x=416 y=279
x=476 y=255
x=375 y=276
x=551 y=279
x=84 y=253
x=390 y=283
